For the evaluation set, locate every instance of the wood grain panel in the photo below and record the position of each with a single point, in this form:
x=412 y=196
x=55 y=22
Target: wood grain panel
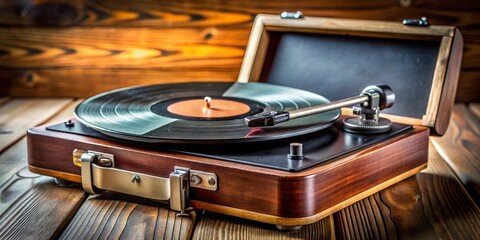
x=88 y=82
x=217 y=226
x=117 y=216
x=461 y=149
x=17 y=115
x=137 y=48
x=203 y=13
x=170 y=39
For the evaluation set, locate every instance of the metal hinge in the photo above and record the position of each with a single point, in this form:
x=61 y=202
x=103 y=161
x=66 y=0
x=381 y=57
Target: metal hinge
x=291 y=15
x=422 y=22
x=99 y=174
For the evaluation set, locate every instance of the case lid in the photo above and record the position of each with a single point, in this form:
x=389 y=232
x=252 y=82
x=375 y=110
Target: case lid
x=338 y=58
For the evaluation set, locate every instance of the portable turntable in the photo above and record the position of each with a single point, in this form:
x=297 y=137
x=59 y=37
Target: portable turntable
x=270 y=147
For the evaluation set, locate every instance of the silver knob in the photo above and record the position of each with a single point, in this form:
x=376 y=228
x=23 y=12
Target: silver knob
x=296 y=151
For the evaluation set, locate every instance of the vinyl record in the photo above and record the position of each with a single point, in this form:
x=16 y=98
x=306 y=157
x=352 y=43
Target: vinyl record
x=178 y=113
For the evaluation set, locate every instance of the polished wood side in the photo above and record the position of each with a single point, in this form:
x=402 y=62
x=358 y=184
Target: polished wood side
x=59 y=47
x=327 y=183
x=449 y=85
x=430 y=205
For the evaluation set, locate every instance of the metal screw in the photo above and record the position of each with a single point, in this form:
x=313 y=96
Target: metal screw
x=211 y=181
x=105 y=162
x=195 y=179
x=136 y=179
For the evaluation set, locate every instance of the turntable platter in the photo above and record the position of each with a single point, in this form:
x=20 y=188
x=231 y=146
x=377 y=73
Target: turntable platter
x=200 y=113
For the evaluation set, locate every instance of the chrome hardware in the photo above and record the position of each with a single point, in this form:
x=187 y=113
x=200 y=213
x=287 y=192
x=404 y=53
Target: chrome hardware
x=179 y=183
x=86 y=161
x=296 y=151
x=291 y=15
x=195 y=179
x=422 y=22
x=99 y=174
x=211 y=181
x=136 y=179
x=206 y=179
x=118 y=180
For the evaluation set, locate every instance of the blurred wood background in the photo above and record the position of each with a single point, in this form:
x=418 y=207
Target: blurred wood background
x=79 y=48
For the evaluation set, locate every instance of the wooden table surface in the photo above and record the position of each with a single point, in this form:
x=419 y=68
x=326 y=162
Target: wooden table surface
x=441 y=202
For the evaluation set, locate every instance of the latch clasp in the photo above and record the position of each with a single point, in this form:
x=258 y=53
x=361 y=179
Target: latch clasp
x=180 y=188
x=99 y=174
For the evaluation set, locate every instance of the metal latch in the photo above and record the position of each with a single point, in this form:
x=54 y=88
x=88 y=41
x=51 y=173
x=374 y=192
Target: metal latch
x=99 y=174
x=179 y=180
x=291 y=15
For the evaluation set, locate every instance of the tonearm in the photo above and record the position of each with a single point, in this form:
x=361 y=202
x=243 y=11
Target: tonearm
x=372 y=99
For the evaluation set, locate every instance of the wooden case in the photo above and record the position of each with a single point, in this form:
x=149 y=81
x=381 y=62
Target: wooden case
x=422 y=64
x=275 y=196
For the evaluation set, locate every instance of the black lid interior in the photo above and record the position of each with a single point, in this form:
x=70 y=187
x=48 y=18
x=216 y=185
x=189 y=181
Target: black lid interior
x=337 y=67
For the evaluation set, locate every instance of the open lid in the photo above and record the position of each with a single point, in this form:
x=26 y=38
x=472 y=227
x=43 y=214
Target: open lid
x=338 y=58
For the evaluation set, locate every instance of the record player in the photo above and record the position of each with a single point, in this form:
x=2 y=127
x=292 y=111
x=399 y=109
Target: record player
x=273 y=146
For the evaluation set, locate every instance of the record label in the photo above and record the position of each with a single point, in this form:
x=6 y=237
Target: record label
x=203 y=109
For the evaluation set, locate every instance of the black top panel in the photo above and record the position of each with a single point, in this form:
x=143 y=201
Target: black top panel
x=318 y=147
x=338 y=67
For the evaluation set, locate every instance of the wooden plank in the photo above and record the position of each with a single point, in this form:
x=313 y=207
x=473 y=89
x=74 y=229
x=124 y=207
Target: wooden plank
x=460 y=147
x=432 y=205
x=217 y=226
x=34 y=207
x=24 y=194
x=58 y=82
x=119 y=216
x=447 y=204
x=14 y=159
x=136 y=48
x=10 y=162
x=366 y=219
x=19 y=114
